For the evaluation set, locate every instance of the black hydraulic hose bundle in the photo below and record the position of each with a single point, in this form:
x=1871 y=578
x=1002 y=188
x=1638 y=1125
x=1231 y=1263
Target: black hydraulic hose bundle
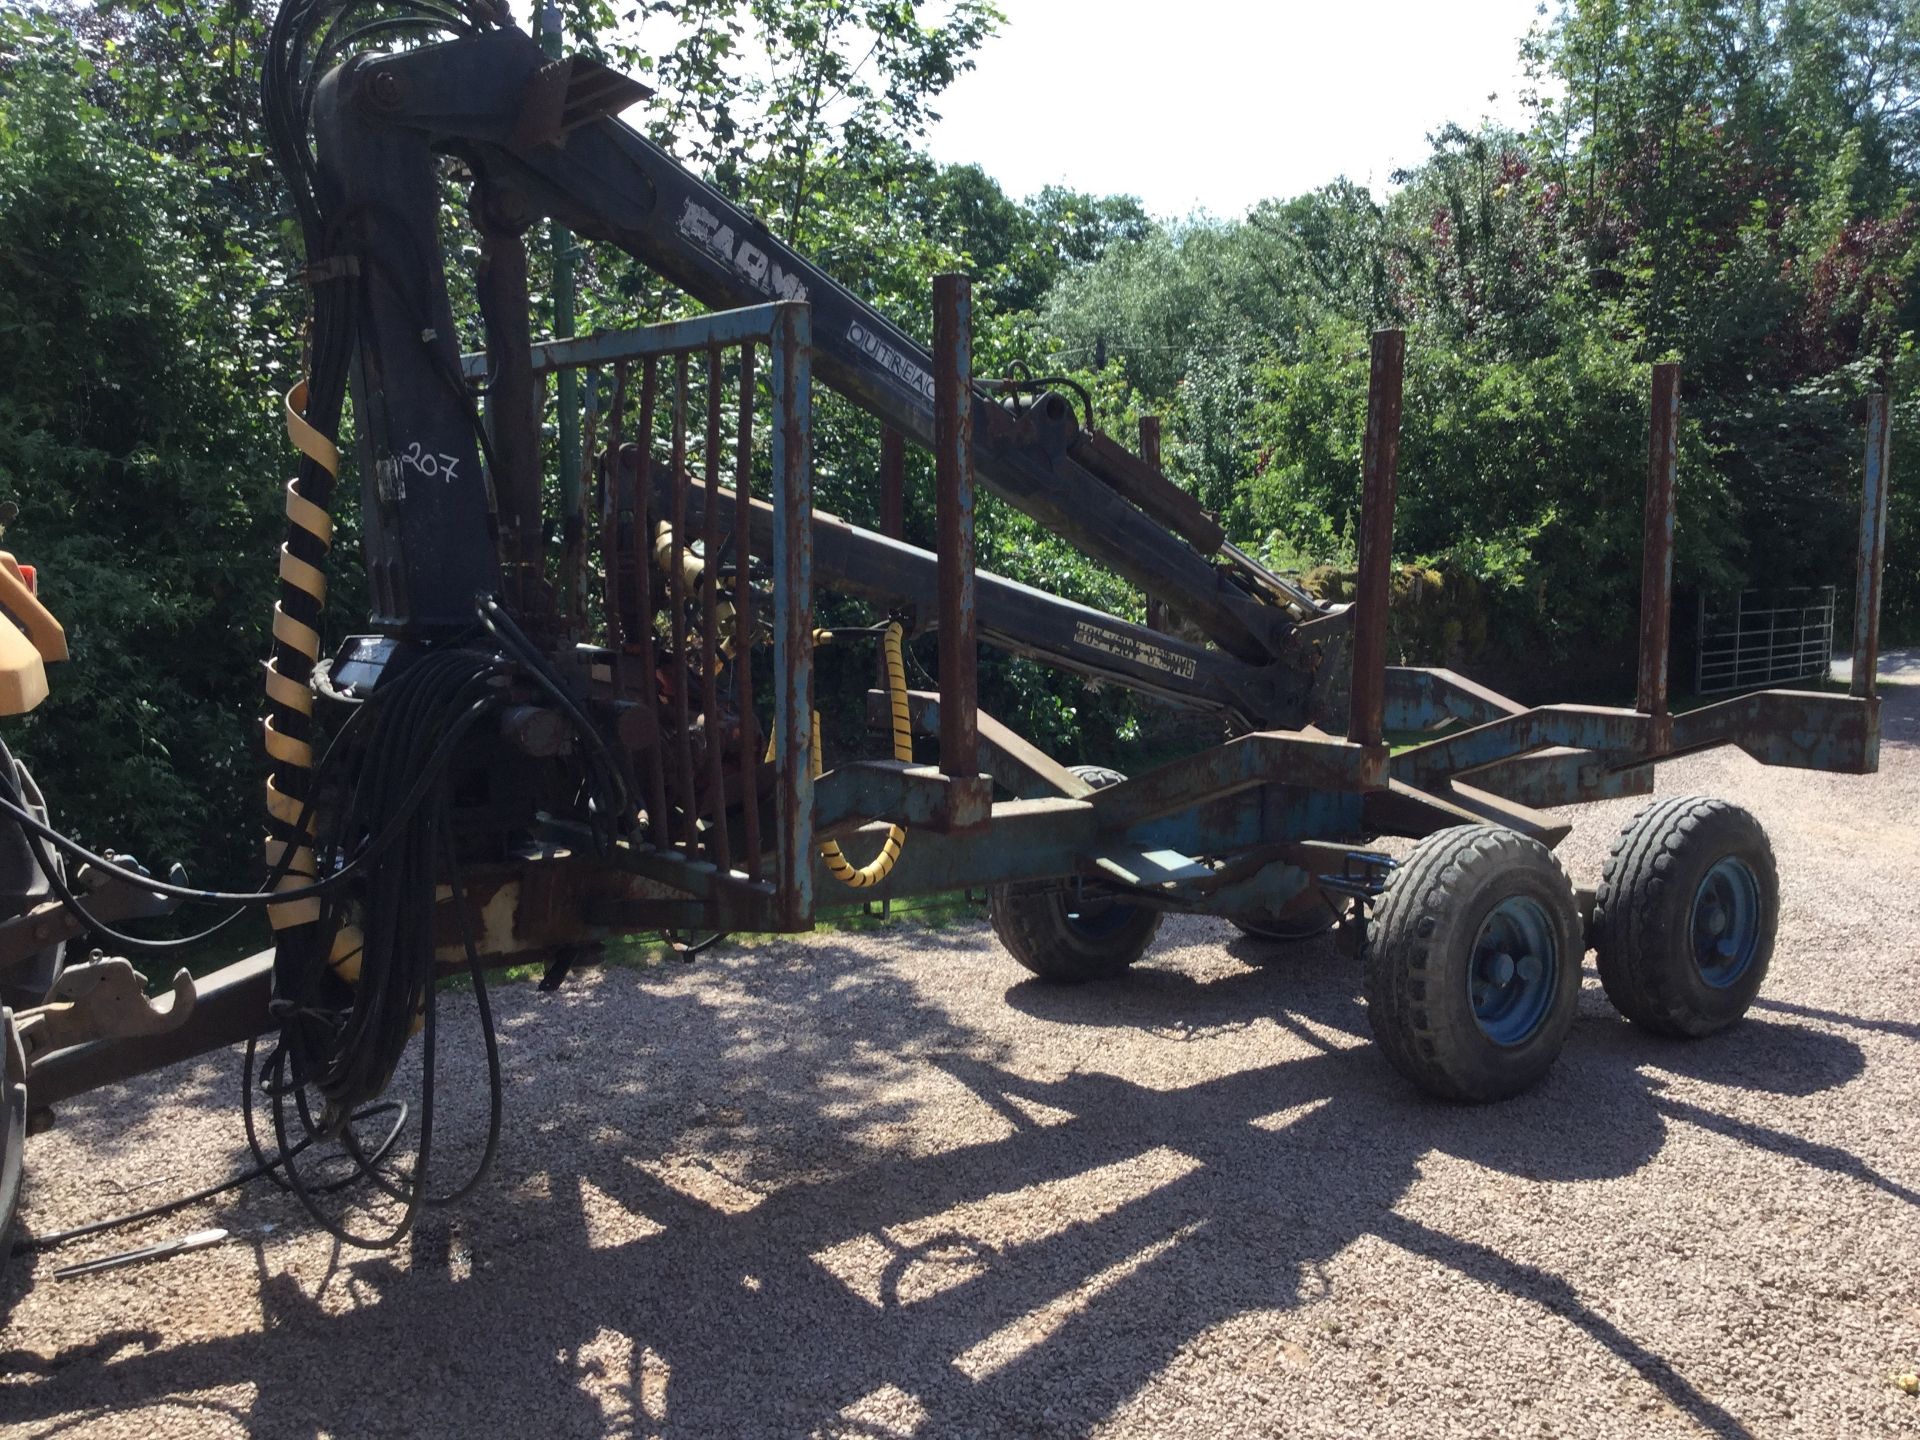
x=341 y=1041
x=354 y=974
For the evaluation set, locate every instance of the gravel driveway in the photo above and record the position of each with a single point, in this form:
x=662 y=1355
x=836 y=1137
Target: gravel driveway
x=876 y=1184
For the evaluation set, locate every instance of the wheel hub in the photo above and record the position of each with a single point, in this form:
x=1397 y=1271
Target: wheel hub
x=1725 y=925
x=1510 y=982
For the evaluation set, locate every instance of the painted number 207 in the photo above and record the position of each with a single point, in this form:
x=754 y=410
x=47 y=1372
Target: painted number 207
x=434 y=467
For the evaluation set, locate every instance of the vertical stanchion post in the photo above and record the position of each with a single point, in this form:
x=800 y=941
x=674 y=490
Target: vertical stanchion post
x=893 y=483
x=791 y=380
x=893 y=510
x=1379 y=460
x=573 y=524
x=953 y=487
x=1656 y=552
x=567 y=402
x=639 y=552
x=1157 y=618
x=743 y=616
x=1873 y=548
x=680 y=672
x=610 y=548
x=719 y=843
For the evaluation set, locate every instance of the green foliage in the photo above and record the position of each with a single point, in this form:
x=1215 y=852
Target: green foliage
x=1524 y=475
x=1731 y=186
x=140 y=452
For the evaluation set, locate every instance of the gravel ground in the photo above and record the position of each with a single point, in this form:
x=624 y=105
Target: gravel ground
x=875 y=1184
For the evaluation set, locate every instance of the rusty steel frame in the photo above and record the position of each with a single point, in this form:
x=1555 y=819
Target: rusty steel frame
x=1656 y=551
x=1873 y=548
x=953 y=522
x=675 y=782
x=1379 y=462
x=1235 y=825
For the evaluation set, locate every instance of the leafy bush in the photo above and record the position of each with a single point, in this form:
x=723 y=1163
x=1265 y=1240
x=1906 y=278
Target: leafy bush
x=1524 y=476
x=146 y=476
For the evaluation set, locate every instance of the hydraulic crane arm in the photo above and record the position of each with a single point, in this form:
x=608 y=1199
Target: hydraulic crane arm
x=536 y=130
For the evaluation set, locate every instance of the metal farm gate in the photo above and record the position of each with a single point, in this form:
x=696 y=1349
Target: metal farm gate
x=1763 y=638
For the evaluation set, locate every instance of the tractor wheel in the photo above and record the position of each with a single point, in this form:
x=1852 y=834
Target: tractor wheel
x=1683 y=922
x=1308 y=916
x=1473 y=963
x=13 y=1129
x=1058 y=934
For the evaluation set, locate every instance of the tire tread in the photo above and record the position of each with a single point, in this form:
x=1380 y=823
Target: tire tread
x=1400 y=936
x=1632 y=912
x=1028 y=918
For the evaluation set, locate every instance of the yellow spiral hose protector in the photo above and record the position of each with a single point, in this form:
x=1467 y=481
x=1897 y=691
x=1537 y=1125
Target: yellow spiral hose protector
x=881 y=866
x=289 y=693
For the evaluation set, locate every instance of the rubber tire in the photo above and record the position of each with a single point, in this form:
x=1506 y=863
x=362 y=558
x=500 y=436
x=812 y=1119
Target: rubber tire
x=13 y=1130
x=1643 y=914
x=1419 y=947
x=1283 y=928
x=1030 y=919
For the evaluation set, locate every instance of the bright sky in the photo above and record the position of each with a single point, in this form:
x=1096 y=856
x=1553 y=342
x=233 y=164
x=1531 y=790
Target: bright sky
x=1216 y=104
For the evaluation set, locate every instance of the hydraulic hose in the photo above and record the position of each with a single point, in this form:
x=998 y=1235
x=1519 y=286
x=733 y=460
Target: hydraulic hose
x=881 y=866
x=302 y=585
x=303 y=592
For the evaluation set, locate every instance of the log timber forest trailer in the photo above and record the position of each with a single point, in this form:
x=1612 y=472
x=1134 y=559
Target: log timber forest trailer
x=562 y=723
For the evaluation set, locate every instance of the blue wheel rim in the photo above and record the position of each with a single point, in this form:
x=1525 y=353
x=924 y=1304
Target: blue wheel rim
x=1725 y=923
x=1510 y=980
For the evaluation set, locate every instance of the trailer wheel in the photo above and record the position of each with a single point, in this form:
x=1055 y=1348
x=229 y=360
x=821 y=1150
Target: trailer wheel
x=1058 y=933
x=1684 y=919
x=1473 y=963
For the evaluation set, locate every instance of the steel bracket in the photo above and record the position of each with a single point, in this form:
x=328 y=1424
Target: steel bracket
x=104 y=999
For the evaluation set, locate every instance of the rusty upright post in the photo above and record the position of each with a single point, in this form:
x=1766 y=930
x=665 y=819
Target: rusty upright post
x=893 y=510
x=953 y=487
x=790 y=377
x=680 y=671
x=513 y=409
x=610 y=528
x=1656 y=551
x=893 y=483
x=1873 y=548
x=1157 y=618
x=573 y=525
x=1379 y=458
x=743 y=616
x=719 y=845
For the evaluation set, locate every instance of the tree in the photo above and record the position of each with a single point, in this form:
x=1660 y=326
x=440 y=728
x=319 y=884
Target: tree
x=144 y=467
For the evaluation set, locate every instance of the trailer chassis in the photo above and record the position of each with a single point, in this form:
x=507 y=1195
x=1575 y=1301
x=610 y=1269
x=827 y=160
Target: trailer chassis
x=1243 y=828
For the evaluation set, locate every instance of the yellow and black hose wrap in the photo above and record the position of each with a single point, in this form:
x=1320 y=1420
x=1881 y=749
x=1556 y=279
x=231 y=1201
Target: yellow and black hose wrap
x=296 y=648
x=878 y=868
x=881 y=866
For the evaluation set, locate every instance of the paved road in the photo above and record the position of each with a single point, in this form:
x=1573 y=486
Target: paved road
x=878 y=1185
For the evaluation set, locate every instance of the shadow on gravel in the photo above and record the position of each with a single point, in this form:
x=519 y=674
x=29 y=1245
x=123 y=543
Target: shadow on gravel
x=1907 y=1029
x=862 y=1274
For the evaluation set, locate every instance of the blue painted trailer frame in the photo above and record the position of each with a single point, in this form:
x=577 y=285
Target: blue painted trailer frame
x=1233 y=825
